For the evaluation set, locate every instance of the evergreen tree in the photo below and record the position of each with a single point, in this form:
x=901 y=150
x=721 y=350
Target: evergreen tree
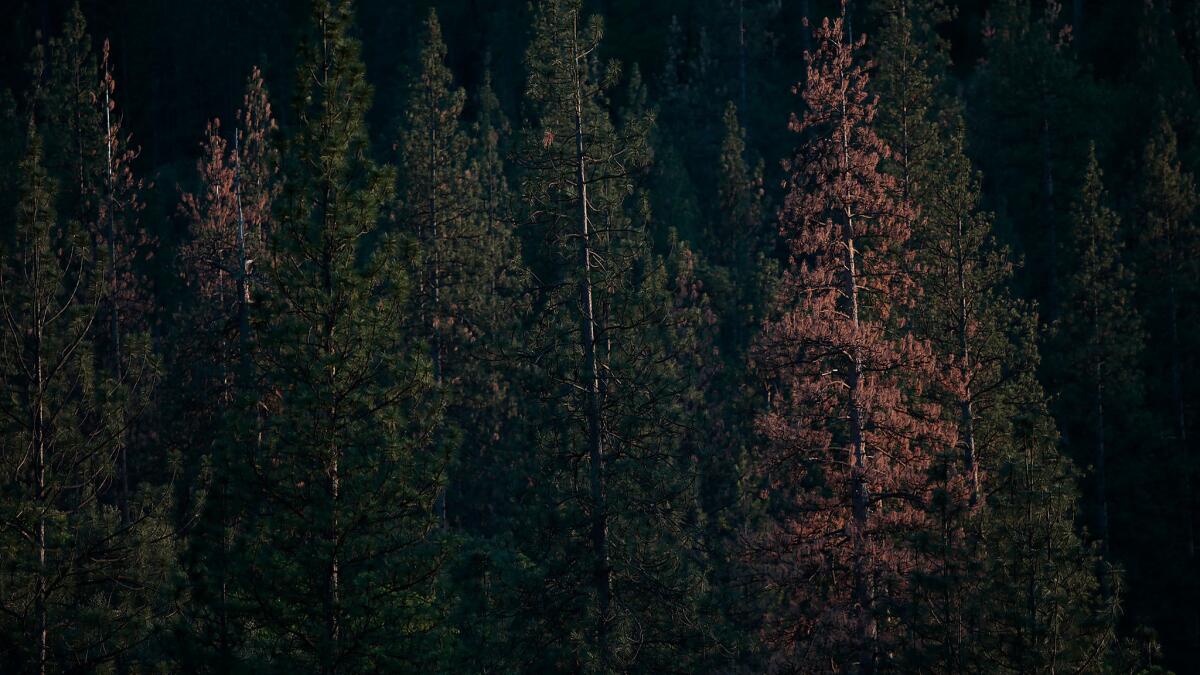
x=80 y=583
x=1028 y=133
x=230 y=221
x=848 y=433
x=1168 y=291
x=1045 y=608
x=740 y=240
x=608 y=540
x=1101 y=341
x=455 y=203
x=339 y=552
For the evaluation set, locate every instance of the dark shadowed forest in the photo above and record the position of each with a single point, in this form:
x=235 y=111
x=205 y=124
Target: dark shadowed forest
x=474 y=336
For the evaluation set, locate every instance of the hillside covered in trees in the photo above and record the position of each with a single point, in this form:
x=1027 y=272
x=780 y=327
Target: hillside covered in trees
x=474 y=336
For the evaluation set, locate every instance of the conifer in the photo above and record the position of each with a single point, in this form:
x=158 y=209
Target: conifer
x=848 y=436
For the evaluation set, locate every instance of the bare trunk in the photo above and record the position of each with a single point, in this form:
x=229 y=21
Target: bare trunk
x=243 y=285
x=115 y=314
x=39 y=441
x=1101 y=498
x=333 y=469
x=591 y=377
x=967 y=416
x=435 y=337
x=863 y=592
x=860 y=497
x=332 y=608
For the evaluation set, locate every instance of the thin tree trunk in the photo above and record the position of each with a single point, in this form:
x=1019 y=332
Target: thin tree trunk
x=863 y=594
x=863 y=587
x=859 y=490
x=115 y=314
x=332 y=618
x=591 y=374
x=332 y=597
x=243 y=286
x=967 y=416
x=1101 y=498
x=39 y=440
x=435 y=338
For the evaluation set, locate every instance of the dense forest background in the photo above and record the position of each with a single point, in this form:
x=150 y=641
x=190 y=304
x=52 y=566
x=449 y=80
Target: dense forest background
x=610 y=336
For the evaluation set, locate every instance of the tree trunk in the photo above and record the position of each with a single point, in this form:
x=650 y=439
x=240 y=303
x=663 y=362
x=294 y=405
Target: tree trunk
x=863 y=587
x=967 y=417
x=435 y=338
x=39 y=441
x=243 y=286
x=1101 y=498
x=115 y=314
x=591 y=376
x=863 y=592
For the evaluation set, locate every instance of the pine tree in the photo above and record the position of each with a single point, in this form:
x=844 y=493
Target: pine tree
x=848 y=434
x=1045 y=609
x=454 y=201
x=740 y=240
x=230 y=221
x=74 y=121
x=1029 y=134
x=1168 y=289
x=1100 y=341
x=608 y=535
x=80 y=580
x=339 y=554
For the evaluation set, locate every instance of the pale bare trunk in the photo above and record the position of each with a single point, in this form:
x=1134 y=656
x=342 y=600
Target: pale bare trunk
x=435 y=336
x=40 y=440
x=863 y=586
x=1099 y=459
x=591 y=375
x=967 y=416
x=115 y=314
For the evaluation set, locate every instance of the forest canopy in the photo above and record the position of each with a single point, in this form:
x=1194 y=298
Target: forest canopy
x=844 y=336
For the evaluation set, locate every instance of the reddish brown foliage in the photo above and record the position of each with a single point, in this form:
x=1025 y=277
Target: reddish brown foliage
x=230 y=215
x=114 y=193
x=849 y=438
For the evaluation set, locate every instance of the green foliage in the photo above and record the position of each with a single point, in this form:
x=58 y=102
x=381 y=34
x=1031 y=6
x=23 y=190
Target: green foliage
x=339 y=554
x=81 y=584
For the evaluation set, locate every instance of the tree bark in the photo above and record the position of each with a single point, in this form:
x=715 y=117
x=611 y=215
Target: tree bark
x=591 y=374
x=115 y=314
x=863 y=591
x=967 y=416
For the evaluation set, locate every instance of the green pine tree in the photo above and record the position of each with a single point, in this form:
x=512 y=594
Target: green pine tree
x=606 y=526
x=1163 y=524
x=81 y=583
x=340 y=550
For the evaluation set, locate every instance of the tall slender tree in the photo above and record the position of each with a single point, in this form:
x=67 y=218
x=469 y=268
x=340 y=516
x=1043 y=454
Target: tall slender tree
x=613 y=488
x=1100 y=341
x=81 y=581
x=848 y=434
x=1167 y=244
x=230 y=220
x=340 y=553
